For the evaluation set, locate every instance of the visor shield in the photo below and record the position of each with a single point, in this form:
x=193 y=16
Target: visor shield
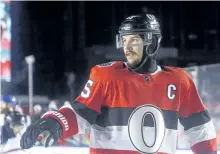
x=146 y=36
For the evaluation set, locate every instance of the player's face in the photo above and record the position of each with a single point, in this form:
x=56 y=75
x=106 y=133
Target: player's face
x=133 y=48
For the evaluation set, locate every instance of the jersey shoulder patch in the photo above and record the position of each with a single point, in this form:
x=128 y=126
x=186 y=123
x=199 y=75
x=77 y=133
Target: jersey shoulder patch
x=114 y=65
x=108 y=64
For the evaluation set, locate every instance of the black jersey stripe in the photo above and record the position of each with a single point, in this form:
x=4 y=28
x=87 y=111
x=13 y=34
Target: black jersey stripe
x=119 y=116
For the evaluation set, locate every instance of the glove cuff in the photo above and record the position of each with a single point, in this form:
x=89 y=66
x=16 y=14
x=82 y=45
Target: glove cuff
x=58 y=118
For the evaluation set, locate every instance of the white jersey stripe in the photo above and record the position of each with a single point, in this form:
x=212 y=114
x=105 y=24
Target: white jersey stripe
x=201 y=133
x=116 y=137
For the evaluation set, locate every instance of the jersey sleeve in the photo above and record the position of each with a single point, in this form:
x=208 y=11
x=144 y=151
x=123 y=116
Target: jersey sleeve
x=194 y=117
x=92 y=95
x=78 y=116
x=87 y=105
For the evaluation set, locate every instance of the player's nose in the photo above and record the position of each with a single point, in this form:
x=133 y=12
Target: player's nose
x=127 y=47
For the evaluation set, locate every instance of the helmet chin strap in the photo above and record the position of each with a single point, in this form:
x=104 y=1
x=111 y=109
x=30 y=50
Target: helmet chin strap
x=147 y=56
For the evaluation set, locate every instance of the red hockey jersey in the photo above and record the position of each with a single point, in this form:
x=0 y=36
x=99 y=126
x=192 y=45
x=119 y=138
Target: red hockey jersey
x=113 y=92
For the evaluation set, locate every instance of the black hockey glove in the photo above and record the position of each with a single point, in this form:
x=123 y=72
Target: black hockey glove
x=50 y=129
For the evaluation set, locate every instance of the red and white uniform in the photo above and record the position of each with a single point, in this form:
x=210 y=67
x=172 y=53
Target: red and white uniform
x=113 y=92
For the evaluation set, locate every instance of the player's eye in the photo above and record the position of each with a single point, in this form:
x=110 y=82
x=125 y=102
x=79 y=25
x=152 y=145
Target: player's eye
x=135 y=40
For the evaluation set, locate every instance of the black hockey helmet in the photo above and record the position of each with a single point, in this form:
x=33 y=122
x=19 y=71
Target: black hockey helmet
x=147 y=26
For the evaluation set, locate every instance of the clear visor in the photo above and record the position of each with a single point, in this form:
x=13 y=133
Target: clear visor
x=146 y=36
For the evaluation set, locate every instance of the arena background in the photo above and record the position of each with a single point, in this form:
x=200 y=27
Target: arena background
x=67 y=38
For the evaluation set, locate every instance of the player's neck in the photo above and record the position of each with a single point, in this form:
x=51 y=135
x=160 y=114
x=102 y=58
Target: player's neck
x=150 y=66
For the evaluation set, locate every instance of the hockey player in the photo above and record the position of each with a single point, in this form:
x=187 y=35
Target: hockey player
x=116 y=90
x=14 y=125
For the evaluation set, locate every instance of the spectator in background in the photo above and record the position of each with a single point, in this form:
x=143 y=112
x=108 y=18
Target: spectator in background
x=8 y=103
x=37 y=112
x=66 y=103
x=19 y=109
x=14 y=126
x=52 y=106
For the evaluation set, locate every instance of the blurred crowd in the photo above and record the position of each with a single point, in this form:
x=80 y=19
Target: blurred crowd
x=14 y=121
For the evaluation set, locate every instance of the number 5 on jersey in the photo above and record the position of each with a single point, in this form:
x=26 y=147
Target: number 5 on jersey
x=87 y=89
